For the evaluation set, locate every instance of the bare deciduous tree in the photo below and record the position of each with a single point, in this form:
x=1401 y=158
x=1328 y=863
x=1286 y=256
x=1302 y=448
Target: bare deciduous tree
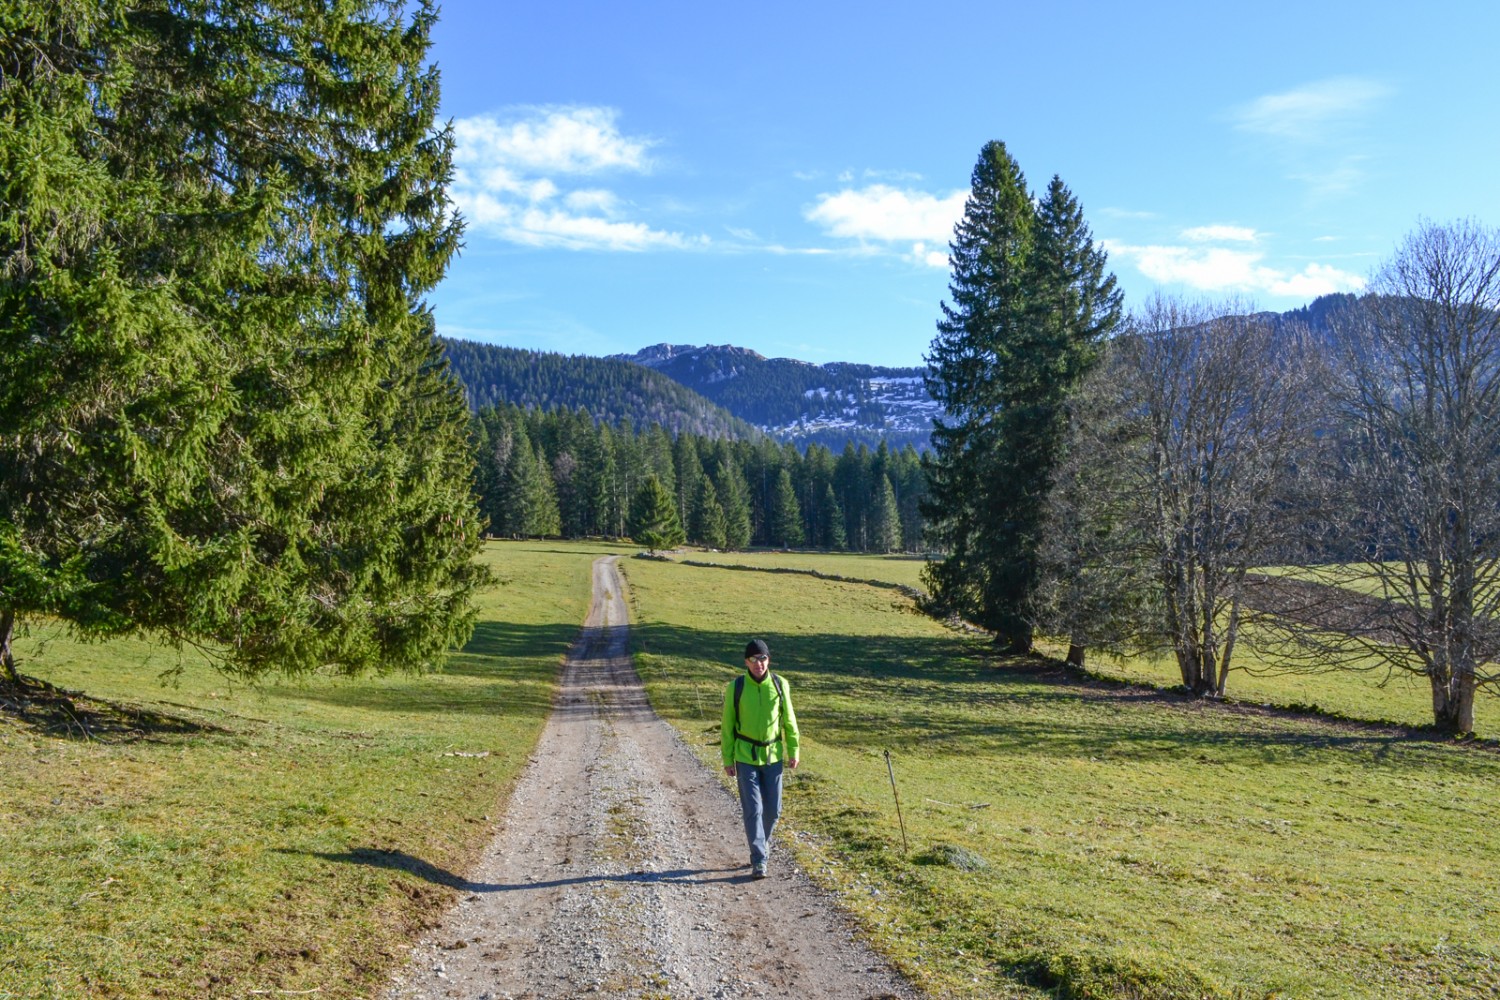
x=1420 y=394
x=1211 y=405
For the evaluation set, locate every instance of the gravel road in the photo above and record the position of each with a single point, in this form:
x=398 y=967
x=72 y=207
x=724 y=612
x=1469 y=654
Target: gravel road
x=620 y=869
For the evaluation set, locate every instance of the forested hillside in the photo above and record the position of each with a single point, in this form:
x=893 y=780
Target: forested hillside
x=609 y=389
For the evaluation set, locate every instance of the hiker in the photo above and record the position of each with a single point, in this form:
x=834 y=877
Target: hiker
x=759 y=735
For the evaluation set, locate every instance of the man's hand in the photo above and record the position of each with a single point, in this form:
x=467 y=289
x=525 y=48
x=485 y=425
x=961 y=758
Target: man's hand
x=729 y=770
x=792 y=763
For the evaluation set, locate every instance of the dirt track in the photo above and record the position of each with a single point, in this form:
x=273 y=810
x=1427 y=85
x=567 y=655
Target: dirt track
x=620 y=869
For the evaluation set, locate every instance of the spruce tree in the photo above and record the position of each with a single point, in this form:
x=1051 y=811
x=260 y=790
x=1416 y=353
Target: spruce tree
x=542 y=515
x=885 y=520
x=849 y=478
x=225 y=421
x=709 y=529
x=833 y=527
x=786 y=513
x=729 y=484
x=654 y=521
x=1031 y=301
x=689 y=474
x=976 y=336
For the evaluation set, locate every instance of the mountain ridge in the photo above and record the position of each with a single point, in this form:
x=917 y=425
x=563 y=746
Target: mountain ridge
x=739 y=392
x=799 y=401
x=610 y=390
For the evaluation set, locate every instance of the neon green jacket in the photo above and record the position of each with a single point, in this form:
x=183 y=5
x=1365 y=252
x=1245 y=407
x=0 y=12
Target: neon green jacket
x=766 y=715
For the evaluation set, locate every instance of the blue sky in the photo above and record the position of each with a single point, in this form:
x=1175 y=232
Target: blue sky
x=786 y=176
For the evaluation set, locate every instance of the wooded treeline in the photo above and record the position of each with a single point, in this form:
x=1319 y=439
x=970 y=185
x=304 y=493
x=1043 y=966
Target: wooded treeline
x=1123 y=481
x=611 y=389
x=561 y=472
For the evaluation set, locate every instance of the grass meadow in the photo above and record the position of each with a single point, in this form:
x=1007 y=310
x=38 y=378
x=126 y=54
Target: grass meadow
x=1087 y=838
x=203 y=839
x=1255 y=677
x=1068 y=837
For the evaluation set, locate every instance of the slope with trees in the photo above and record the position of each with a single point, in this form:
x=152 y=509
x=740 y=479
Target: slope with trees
x=610 y=389
x=830 y=404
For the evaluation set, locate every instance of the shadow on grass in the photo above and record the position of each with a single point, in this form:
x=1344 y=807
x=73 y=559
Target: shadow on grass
x=797 y=571
x=931 y=694
x=51 y=711
x=401 y=861
x=504 y=639
x=514 y=688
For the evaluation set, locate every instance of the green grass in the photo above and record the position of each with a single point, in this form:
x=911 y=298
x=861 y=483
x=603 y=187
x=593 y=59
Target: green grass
x=207 y=839
x=1088 y=839
x=1372 y=693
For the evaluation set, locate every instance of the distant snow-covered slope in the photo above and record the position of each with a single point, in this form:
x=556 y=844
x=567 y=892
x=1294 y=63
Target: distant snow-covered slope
x=830 y=404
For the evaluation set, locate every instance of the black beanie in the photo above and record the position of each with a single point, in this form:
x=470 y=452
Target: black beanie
x=756 y=647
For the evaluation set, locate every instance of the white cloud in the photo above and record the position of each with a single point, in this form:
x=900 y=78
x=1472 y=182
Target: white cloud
x=569 y=140
x=581 y=232
x=1219 y=234
x=1220 y=269
x=1317 y=131
x=1317 y=279
x=922 y=254
x=1307 y=112
x=888 y=214
x=516 y=176
x=539 y=226
x=592 y=200
x=782 y=250
x=1332 y=179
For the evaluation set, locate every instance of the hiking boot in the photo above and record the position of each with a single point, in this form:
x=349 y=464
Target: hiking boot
x=758 y=870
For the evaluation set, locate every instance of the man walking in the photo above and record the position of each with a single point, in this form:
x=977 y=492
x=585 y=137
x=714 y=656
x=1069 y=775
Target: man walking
x=759 y=735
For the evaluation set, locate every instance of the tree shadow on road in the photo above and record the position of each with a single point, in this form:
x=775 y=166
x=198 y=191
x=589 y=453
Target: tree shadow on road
x=401 y=861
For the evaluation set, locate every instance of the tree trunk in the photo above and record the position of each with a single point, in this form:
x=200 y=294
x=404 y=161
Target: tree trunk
x=1230 y=634
x=1075 y=655
x=1019 y=646
x=8 y=674
x=1453 y=702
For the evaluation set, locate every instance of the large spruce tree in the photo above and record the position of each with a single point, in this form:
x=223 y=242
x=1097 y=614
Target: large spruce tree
x=224 y=418
x=1031 y=299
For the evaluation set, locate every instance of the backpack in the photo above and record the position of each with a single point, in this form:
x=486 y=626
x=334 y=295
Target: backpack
x=759 y=745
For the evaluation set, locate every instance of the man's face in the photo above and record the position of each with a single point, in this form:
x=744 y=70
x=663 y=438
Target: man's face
x=758 y=666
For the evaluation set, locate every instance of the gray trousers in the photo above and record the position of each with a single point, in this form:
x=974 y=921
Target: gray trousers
x=760 y=801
